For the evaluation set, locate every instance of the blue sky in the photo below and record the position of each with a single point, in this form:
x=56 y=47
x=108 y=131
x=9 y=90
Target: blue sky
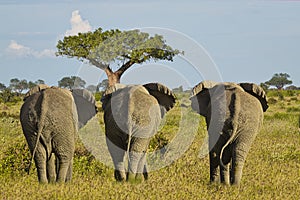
x=234 y=41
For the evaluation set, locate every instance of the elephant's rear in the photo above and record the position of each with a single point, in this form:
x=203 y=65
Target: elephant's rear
x=132 y=110
x=49 y=121
x=251 y=115
x=144 y=113
x=60 y=120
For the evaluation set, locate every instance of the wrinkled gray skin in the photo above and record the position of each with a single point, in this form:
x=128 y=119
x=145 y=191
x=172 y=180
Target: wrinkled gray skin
x=132 y=114
x=49 y=120
x=234 y=114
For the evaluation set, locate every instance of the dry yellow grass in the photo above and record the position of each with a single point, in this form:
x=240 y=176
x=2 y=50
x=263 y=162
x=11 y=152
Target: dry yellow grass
x=271 y=170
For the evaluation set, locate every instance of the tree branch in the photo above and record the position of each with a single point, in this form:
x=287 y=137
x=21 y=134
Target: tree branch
x=124 y=68
x=98 y=64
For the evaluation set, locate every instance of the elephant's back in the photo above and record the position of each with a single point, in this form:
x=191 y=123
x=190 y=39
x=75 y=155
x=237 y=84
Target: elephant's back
x=59 y=111
x=143 y=107
x=132 y=108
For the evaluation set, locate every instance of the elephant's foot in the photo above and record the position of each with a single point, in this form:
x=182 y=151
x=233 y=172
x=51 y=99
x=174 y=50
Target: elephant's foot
x=225 y=175
x=237 y=174
x=146 y=175
x=120 y=175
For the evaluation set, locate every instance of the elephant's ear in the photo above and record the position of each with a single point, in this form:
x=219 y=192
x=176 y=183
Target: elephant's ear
x=200 y=96
x=35 y=89
x=256 y=91
x=204 y=85
x=163 y=94
x=85 y=104
x=108 y=93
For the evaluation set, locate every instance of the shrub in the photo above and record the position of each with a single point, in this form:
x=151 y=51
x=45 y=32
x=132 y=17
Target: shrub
x=272 y=100
x=98 y=96
x=16 y=159
x=293 y=109
x=290 y=93
x=280 y=96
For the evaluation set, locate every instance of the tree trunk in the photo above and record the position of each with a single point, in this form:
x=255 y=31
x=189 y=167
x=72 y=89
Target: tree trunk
x=113 y=77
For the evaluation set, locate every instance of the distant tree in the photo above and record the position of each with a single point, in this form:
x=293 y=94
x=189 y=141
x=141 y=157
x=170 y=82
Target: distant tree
x=32 y=84
x=2 y=87
x=17 y=85
x=264 y=86
x=279 y=80
x=122 y=48
x=102 y=86
x=292 y=87
x=92 y=88
x=39 y=81
x=179 y=89
x=71 y=82
x=14 y=84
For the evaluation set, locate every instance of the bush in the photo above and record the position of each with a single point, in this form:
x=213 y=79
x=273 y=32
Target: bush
x=98 y=96
x=272 y=100
x=8 y=96
x=294 y=99
x=16 y=159
x=293 y=109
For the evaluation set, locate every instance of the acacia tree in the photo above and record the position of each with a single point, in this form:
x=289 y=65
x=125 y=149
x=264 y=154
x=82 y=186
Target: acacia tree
x=18 y=85
x=279 y=80
x=121 y=48
x=71 y=82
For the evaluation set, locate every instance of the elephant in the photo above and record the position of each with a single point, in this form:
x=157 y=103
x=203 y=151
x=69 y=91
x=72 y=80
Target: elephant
x=132 y=115
x=49 y=119
x=234 y=115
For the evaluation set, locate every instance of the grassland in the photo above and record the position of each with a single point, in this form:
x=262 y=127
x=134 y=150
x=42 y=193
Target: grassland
x=272 y=169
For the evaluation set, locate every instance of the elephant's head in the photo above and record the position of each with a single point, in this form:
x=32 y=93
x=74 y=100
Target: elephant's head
x=35 y=89
x=202 y=93
x=85 y=105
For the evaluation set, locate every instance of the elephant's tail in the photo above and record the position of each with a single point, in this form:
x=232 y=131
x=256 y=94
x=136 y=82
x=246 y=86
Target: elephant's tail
x=40 y=126
x=232 y=123
x=232 y=137
x=34 y=150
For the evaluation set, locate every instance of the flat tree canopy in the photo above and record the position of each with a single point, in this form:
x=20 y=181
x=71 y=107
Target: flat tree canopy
x=120 y=48
x=279 y=80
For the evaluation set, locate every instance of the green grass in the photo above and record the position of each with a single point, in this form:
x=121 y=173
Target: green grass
x=271 y=170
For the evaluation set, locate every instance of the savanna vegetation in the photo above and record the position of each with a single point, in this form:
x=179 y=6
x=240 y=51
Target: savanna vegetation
x=271 y=170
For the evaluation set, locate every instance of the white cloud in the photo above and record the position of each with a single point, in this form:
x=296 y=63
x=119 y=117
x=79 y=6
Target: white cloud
x=18 y=50
x=15 y=49
x=78 y=25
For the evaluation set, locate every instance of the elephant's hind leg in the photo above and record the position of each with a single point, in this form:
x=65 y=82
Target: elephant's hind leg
x=70 y=171
x=117 y=155
x=238 y=160
x=239 y=153
x=51 y=169
x=63 y=170
x=40 y=162
x=213 y=166
x=137 y=159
